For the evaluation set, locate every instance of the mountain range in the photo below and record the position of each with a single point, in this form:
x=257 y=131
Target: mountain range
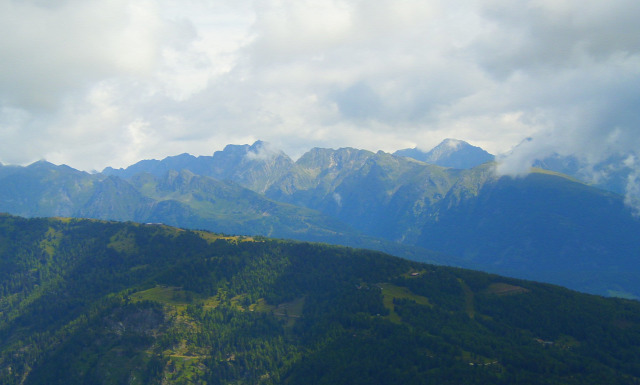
x=546 y=226
x=93 y=302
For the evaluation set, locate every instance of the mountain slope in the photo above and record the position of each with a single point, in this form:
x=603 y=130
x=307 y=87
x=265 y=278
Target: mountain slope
x=233 y=209
x=180 y=199
x=94 y=302
x=544 y=227
x=377 y=193
x=524 y=226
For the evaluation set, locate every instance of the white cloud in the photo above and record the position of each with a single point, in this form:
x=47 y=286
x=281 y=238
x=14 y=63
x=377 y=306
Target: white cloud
x=337 y=198
x=263 y=151
x=50 y=52
x=94 y=83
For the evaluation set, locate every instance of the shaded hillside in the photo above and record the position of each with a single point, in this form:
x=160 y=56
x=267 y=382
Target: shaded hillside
x=95 y=302
x=179 y=199
x=543 y=227
x=43 y=189
x=379 y=194
x=317 y=174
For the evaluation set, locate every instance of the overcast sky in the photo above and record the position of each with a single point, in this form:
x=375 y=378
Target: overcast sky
x=95 y=83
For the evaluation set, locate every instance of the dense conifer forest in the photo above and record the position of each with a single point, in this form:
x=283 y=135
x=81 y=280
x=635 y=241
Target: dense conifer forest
x=94 y=302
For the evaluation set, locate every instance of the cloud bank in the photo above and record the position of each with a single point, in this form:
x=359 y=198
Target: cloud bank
x=97 y=83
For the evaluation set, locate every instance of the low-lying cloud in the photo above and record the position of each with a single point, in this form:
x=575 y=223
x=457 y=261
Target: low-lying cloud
x=262 y=151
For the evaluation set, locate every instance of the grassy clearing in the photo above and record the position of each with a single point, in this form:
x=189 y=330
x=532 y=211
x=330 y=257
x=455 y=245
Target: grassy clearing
x=139 y=267
x=469 y=306
x=184 y=369
x=479 y=360
x=212 y=237
x=415 y=274
x=238 y=301
x=261 y=306
x=500 y=288
x=212 y=302
x=169 y=295
x=178 y=298
x=51 y=241
x=289 y=311
x=63 y=219
x=123 y=242
x=391 y=292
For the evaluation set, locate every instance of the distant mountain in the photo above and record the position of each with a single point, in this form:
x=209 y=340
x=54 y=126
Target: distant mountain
x=543 y=227
x=194 y=201
x=525 y=227
x=316 y=175
x=44 y=189
x=378 y=193
x=92 y=302
x=198 y=165
x=450 y=153
x=254 y=167
x=179 y=198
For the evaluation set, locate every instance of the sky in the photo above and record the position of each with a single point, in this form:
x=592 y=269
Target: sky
x=96 y=83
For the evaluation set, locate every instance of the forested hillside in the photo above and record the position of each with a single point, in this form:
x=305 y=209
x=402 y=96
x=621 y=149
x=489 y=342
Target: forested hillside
x=544 y=226
x=93 y=302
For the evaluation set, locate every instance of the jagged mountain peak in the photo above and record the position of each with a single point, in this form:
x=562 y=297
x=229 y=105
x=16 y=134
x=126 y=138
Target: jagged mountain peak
x=448 y=147
x=330 y=158
x=450 y=152
x=453 y=143
x=255 y=166
x=258 y=151
x=43 y=164
x=264 y=151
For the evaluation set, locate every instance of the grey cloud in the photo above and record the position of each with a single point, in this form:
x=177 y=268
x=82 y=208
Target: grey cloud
x=359 y=101
x=530 y=35
x=49 y=52
x=593 y=115
x=598 y=126
x=571 y=69
x=376 y=75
